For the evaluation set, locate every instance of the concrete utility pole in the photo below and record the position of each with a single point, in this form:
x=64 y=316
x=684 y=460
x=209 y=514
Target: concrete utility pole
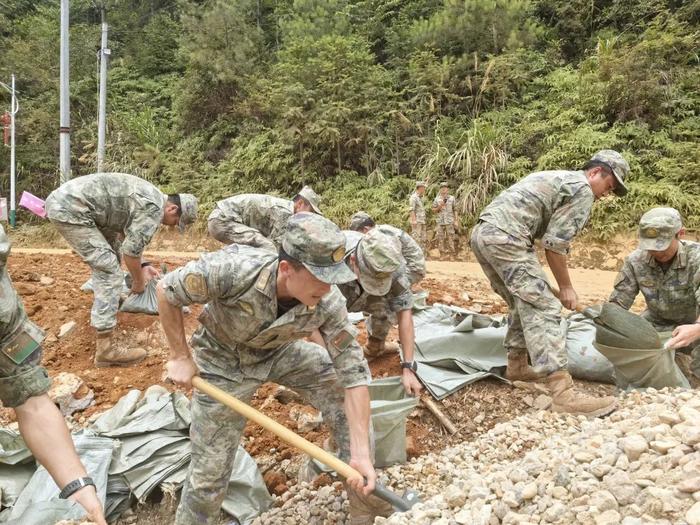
x=102 y=112
x=14 y=108
x=64 y=129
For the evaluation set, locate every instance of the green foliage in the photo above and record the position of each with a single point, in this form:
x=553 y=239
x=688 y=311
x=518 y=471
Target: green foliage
x=362 y=97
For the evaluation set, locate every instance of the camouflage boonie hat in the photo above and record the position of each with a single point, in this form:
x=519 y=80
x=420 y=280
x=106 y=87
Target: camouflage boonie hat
x=444 y=184
x=188 y=210
x=312 y=198
x=420 y=183
x=658 y=227
x=359 y=220
x=618 y=165
x=378 y=256
x=319 y=245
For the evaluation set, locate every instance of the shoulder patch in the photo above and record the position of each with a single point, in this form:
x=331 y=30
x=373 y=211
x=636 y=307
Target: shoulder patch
x=343 y=339
x=195 y=285
x=262 y=281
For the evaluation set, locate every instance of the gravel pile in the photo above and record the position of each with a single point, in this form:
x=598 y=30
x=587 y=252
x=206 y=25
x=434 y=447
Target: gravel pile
x=640 y=465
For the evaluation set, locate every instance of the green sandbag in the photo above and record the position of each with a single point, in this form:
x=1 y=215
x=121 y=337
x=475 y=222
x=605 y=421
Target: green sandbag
x=619 y=328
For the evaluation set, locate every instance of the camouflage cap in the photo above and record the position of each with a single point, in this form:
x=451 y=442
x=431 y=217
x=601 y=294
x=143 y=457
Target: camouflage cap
x=378 y=256
x=618 y=165
x=312 y=198
x=319 y=245
x=188 y=210
x=420 y=183
x=360 y=220
x=658 y=227
x=444 y=184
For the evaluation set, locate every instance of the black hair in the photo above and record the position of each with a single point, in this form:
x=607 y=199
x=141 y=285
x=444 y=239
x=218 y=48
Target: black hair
x=598 y=164
x=284 y=256
x=366 y=223
x=175 y=199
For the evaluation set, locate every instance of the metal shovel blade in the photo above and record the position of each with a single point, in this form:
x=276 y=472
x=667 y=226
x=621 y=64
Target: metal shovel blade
x=400 y=503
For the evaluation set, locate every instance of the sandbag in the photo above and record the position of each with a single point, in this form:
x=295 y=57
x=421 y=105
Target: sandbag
x=389 y=407
x=585 y=362
x=620 y=328
x=142 y=303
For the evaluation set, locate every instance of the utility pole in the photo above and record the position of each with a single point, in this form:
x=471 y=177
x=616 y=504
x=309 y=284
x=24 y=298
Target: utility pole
x=64 y=129
x=102 y=112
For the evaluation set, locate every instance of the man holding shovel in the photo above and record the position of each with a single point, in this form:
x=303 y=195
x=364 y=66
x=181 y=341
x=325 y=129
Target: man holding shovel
x=259 y=306
x=552 y=206
x=666 y=270
x=106 y=217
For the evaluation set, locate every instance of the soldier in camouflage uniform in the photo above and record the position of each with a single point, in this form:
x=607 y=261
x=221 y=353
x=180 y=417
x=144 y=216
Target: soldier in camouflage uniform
x=258 y=308
x=103 y=216
x=552 y=206
x=258 y=220
x=417 y=215
x=383 y=292
x=666 y=270
x=24 y=384
x=410 y=250
x=444 y=206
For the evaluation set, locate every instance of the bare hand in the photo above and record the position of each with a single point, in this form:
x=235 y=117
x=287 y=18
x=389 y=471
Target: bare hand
x=149 y=272
x=363 y=466
x=137 y=285
x=410 y=383
x=684 y=335
x=181 y=370
x=87 y=497
x=568 y=297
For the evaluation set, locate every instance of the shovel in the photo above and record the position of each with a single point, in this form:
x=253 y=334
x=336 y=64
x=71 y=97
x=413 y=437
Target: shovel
x=400 y=503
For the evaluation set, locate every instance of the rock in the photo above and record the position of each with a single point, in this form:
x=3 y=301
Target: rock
x=693 y=515
x=603 y=500
x=70 y=393
x=690 y=485
x=45 y=280
x=584 y=457
x=308 y=422
x=542 y=402
x=66 y=329
x=609 y=517
x=455 y=496
x=529 y=491
x=634 y=446
x=286 y=395
x=663 y=446
x=25 y=289
x=669 y=417
x=690 y=435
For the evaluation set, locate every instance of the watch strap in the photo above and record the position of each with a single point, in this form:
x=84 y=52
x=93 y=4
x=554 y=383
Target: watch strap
x=74 y=486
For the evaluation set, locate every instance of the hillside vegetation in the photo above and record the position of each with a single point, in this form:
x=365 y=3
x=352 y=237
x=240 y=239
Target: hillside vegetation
x=361 y=97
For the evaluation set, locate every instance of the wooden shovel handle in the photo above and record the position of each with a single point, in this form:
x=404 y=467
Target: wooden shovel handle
x=286 y=435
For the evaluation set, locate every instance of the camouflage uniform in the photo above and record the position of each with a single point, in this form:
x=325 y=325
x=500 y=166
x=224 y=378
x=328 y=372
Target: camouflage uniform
x=552 y=206
x=21 y=376
x=445 y=224
x=243 y=342
x=410 y=250
x=93 y=213
x=252 y=219
x=382 y=309
x=418 y=232
x=672 y=291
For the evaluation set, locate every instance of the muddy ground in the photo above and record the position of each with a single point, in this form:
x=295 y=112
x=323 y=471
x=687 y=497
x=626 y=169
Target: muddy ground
x=49 y=284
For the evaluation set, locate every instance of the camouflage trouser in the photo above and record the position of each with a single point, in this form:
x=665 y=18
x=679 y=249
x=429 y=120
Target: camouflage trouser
x=693 y=349
x=101 y=252
x=19 y=382
x=534 y=321
x=216 y=430
x=229 y=231
x=418 y=234
x=446 y=237
x=379 y=318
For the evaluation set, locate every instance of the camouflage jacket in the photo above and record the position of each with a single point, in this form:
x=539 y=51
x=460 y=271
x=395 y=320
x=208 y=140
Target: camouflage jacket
x=673 y=296
x=264 y=213
x=112 y=203
x=550 y=205
x=12 y=314
x=415 y=203
x=238 y=286
x=358 y=300
x=447 y=214
x=415 y=260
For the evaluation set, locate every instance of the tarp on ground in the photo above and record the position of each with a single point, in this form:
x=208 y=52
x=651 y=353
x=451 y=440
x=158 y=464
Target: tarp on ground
x=455 y=347
x=145 y=441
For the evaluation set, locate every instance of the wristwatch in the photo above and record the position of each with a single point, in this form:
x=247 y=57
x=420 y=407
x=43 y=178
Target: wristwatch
x=74 y=486
x=411 y=365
